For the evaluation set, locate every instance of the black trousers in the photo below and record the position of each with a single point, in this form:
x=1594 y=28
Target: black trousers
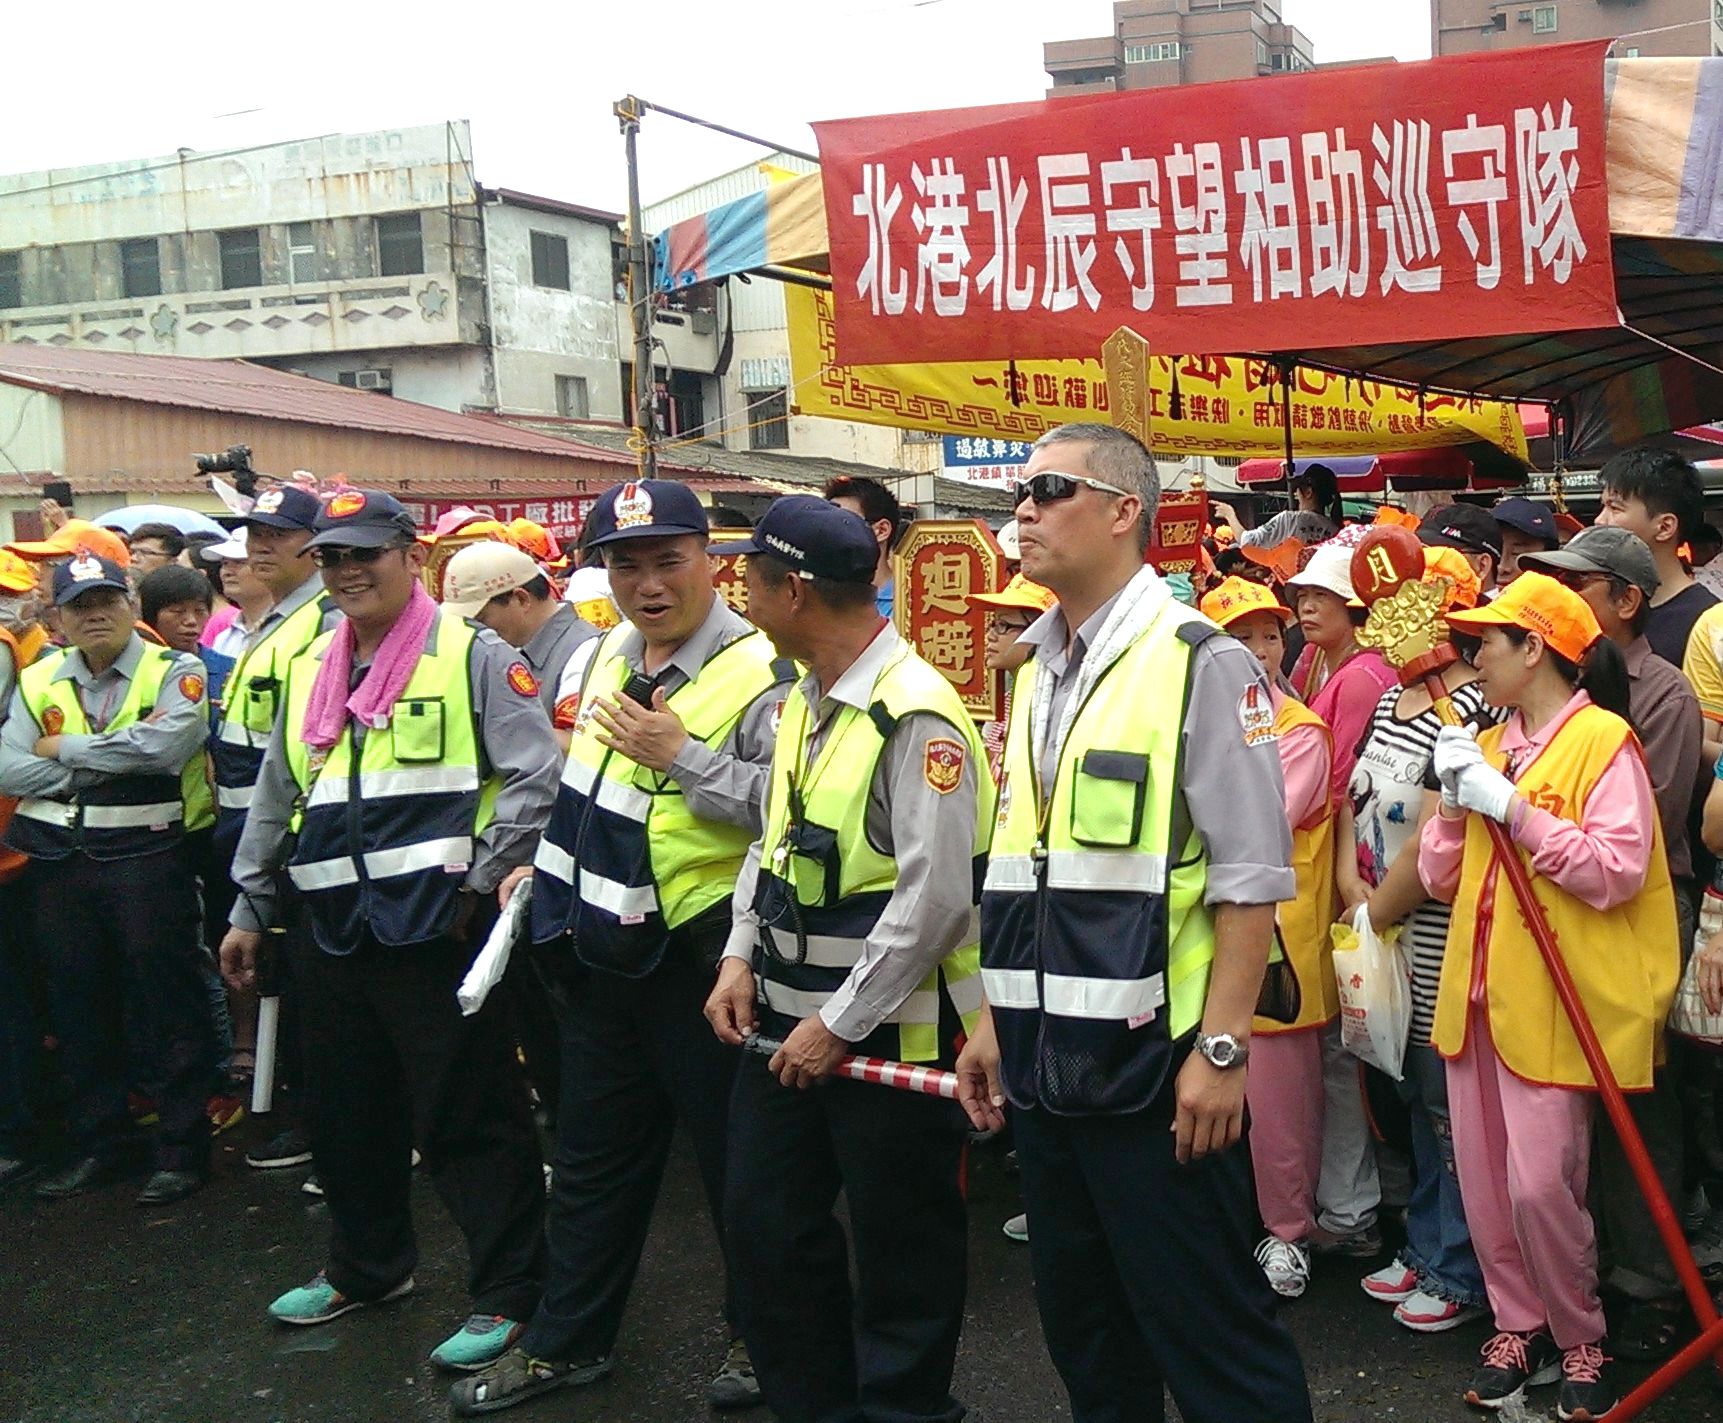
x=882 y=1353
x=391 y=1064
x=124 y=960
x=637 y=1056
x=1144 y=1274
x=21 y=1019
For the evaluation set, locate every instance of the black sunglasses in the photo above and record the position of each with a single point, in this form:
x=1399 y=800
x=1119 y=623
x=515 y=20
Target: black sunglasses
x=1050 y=487
x=334 y=555
x=1575 y=579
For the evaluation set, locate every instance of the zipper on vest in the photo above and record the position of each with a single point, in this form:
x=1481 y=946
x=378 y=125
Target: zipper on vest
x=355 y=814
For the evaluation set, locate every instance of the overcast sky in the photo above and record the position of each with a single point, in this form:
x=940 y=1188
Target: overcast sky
x=537 y=81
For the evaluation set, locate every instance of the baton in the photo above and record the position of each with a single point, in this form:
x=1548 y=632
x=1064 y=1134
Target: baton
x=268 y=1022
x=881 y=1071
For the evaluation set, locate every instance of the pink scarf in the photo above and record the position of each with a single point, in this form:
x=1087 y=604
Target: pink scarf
x=385 y=679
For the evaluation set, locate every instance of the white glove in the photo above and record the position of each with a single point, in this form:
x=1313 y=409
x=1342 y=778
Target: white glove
x=1486 y=790
x=1456 y=748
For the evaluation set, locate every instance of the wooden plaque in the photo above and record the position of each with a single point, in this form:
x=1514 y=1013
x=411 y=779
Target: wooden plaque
x=937 y=565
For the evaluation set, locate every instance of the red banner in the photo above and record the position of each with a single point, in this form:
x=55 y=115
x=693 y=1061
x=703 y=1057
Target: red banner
x=1464 y=196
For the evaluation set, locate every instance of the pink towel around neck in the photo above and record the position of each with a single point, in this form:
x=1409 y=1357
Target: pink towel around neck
x=371 y=702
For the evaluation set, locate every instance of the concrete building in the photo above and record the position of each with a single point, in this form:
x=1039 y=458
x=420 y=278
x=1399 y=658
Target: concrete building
x=751 y=405
x=372 y=260
x=1646 y=28
x=1156 y=44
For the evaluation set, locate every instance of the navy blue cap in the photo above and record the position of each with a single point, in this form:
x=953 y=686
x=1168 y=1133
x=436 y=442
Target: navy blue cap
x=286 y=506
x=1528 y=517
x=651 y=509
x=1462 y=526
x=83 y=573
x=363 y=518
x=816 y=538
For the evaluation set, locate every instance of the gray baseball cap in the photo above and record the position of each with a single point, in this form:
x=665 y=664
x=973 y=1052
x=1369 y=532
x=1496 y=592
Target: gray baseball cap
x=1600 y=549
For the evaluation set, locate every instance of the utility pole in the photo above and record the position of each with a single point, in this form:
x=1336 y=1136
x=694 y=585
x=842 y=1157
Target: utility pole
x=645 y=435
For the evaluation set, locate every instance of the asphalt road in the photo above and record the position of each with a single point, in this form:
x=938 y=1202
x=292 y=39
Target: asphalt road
x=112 y=1314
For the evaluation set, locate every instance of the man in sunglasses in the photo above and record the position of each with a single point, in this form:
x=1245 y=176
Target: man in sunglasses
x=407 y=773
x=1140 y=848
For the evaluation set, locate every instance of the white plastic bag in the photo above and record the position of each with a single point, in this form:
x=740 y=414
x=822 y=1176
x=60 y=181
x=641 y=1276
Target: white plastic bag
x=1375 y=992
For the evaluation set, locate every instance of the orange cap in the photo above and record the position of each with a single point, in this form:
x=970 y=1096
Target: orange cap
x=76 y=536
x=1281 y=560
x=1567 y=526
x=1463 y=584
x=16 y=574
x=1018 y=593
x=1237 y=597
x=537 y=540
x=1537 y=603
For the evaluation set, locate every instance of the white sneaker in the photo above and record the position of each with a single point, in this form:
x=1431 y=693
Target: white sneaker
x=1287 y=1265
x=1394 y=1282
x=1425 y=1313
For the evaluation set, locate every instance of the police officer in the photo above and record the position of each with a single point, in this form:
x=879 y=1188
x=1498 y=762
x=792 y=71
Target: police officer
x=100 y=743
x=631 y=893
x=1140 y=849
x=406 y=773
x=854 y=918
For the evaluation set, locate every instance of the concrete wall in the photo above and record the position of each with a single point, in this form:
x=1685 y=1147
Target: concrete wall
x=32 y=428
x=542 y=332
x=452 y=378
x=1681 y=27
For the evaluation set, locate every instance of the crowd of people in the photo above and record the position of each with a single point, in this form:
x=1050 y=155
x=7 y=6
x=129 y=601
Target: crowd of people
x=272 y=764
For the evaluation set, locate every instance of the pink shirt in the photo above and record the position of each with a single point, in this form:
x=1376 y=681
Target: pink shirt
x=218 y=623
x=1305 y=769
x=1600 y=862
x=1346 y=702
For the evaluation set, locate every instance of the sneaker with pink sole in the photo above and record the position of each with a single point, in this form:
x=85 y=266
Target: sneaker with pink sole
x=1394 y=1282
x=1425 y=1313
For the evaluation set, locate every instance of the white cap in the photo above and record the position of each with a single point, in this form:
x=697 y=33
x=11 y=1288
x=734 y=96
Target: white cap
x=230 y=550
x=588 y=592
x=1330 y=568
x=481 y=571
x=1007 y=541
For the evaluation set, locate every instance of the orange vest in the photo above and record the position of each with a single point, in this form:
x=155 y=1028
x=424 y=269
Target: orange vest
x=1624 y=961
x=1303 y=920
x=22 y=655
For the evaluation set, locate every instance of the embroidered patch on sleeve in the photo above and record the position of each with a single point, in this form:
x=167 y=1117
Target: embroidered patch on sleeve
x=1256 y=716
x=567 y=712
x=522 y=680
x=943 y=764
x=191 y=687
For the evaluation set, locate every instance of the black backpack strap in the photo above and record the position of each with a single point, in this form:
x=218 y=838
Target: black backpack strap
x=884 y=722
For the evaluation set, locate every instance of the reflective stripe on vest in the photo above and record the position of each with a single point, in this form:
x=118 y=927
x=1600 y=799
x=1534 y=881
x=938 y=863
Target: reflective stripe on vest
x=384 y=842
x=836 y=900
x=647 y=863
x=1096 y=943
x=124 y=815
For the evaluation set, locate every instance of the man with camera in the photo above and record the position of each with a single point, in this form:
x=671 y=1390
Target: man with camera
x=660 y=798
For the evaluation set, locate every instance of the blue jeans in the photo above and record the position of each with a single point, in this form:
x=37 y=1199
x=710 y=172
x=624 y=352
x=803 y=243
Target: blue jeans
x=1438 y=1243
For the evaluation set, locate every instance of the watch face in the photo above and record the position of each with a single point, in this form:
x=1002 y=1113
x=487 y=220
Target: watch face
x=1222 y=1051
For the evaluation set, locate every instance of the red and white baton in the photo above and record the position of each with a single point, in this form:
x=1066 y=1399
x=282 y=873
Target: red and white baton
x=881 y=1071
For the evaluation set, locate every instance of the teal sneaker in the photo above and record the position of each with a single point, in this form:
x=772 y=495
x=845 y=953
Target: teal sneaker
x=318 y=1301
x=478 y=1343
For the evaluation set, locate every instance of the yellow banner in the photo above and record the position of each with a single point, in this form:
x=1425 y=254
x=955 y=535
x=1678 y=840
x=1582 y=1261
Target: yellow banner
x=1226 y=405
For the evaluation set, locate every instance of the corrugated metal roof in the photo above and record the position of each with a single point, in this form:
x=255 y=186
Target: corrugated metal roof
x=422 y=486
x=241 y=388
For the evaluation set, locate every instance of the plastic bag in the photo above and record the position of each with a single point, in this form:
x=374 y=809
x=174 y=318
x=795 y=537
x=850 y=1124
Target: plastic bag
x=1375 y=992
x=1688 y=1014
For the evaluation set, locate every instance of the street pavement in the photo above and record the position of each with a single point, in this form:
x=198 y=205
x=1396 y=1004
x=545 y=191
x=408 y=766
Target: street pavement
x=114 y=1315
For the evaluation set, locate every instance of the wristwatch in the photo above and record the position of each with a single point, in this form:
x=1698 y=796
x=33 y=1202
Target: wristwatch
x=1222 y=1050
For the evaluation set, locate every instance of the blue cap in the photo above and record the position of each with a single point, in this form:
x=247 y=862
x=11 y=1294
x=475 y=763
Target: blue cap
x=363 y=518
x=84 y=573
x=816 y=538
x=1527 y=516
x=651 y=509
x=286 y=506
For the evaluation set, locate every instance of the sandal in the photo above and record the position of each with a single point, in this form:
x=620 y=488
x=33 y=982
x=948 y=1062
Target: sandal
x=516 y=1377
x=1649 y=1331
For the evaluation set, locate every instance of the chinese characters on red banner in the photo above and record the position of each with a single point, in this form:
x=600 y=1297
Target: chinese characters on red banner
x=1400 y=202
x=938 y=564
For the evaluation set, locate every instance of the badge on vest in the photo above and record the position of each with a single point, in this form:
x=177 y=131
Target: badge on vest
x=1256 y=716
x=943 y=764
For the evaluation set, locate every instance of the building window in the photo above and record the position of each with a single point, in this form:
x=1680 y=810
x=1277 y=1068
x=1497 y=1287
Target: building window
x=1262 y=57
x=400 y=249
x=769 y=421
x=141 y=267
x=301 y=253
x=241 y=258
x=1632 y=52
x=550 y=261
x=1152 y=53
x=1543 y=20
x=11 y=288
x=572 y=400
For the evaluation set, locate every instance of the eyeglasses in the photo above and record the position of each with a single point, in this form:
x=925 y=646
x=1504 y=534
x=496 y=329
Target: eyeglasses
x=1009 y=625
x=1576 y=580
x=1050 y=486
x=333 y=556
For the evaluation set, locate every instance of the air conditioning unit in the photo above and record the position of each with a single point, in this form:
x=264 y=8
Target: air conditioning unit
x=372 y=380
x=703 y=323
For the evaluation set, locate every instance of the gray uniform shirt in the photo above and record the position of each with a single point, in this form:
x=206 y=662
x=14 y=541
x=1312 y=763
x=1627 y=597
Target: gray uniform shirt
x=161 y=746
x=727 y=785
x=1236 y=797
x=547 y=652
x=514 y=743
x=931 y=836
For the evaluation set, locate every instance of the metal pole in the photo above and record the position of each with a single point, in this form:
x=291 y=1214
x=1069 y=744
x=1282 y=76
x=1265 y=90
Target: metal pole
x=645 y=433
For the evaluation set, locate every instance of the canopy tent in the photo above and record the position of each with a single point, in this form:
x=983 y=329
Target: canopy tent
x=1658 y=369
